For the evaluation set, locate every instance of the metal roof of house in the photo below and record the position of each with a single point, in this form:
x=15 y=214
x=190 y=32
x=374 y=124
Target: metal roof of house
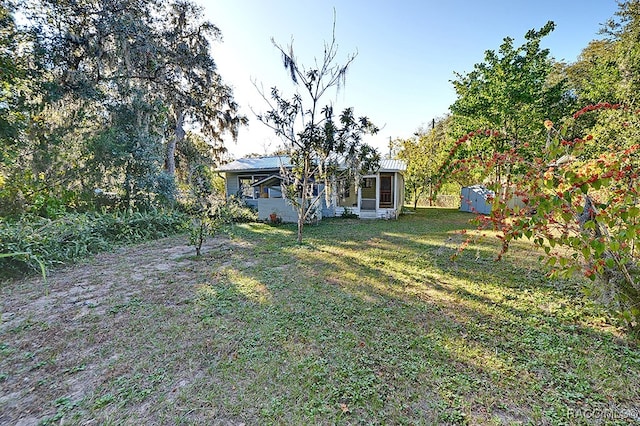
x=392 y=165
x=261 y=163
x=275 y=162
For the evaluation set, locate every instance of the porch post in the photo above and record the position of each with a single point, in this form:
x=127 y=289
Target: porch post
x=395 y=191
x=377 y=192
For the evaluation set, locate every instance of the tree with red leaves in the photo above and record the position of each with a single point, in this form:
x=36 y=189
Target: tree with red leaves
x=582 y=211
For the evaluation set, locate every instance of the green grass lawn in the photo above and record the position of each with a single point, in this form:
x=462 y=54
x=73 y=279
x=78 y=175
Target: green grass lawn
x=367 y=322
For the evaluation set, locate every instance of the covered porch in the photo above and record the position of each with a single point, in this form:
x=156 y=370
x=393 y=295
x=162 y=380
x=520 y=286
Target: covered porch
x=381 y=196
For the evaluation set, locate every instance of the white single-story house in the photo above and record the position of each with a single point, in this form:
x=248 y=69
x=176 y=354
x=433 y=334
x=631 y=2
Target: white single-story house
x=257 y=181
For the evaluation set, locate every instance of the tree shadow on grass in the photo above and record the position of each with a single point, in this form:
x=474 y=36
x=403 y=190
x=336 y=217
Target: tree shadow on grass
x=374 y=322
x=365 y=323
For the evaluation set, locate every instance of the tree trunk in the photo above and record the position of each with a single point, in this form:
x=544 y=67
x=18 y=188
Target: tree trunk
x=170 y=160
x=302 y=211
x=301 y=214
x=300 y=226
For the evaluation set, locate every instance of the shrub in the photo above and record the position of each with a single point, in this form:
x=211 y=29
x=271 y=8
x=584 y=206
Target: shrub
x=239 y=212
x=348 y=214
x=74 y=236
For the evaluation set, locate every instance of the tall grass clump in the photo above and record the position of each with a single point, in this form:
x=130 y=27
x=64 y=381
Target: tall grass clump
x=30 y=242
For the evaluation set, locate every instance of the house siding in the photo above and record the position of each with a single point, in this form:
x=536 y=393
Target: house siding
x=233 y=185
x=399 y=192
x=281 y=208
x=328 y=211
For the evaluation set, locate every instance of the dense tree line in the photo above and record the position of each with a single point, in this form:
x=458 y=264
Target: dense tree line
x=513 y=91
x=106 y=97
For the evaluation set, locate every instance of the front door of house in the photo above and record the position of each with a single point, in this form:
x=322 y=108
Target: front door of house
x=386 y=193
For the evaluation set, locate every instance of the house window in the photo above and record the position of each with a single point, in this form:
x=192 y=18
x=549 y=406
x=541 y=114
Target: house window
x=246 y=190
x=346 y=190
x=245 y=186
x=347 y=194
x=275 y=192
x=368 y=188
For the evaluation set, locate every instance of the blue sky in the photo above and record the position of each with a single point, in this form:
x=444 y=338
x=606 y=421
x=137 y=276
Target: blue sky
x=407 y=51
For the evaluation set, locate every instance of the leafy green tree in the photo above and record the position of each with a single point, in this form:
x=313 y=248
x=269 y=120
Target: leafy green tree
x=131 y=156
x=512 y=91
x=624 y=32
x=208 y=210
x=424 y=154
x=583 y=212
x=94 y=61
x=323 y=147
x=194 y=151
x=607 y=71
x=187 y=77
x=578 y=192
x=595 y=75
x=416 y=176
x=11 y=77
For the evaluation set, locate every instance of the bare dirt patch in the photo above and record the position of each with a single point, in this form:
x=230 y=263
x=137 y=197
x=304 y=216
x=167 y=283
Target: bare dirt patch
x=63 y=342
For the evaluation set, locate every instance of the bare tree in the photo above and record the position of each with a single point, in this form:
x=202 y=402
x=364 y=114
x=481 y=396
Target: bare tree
x=322 y=150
